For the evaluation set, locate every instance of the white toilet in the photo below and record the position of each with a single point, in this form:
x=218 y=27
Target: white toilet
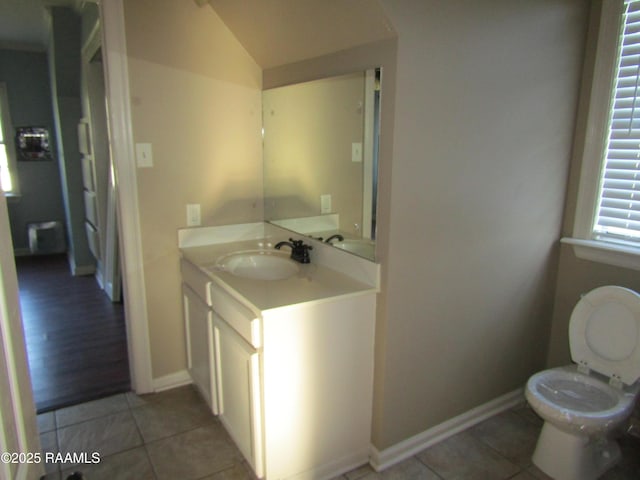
x=583 y=404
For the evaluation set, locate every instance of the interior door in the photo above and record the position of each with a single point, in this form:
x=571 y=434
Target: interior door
x=103 y=182
x=18 y=429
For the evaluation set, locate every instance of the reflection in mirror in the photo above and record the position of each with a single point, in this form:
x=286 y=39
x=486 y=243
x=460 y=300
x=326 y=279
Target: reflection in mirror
x=321 y=159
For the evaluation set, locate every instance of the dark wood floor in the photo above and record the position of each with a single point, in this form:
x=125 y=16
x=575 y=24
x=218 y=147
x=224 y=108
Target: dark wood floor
x=75 y=336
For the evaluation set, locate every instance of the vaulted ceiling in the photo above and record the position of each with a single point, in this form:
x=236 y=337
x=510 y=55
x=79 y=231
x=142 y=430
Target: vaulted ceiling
x=278 y=32
x=274 y=32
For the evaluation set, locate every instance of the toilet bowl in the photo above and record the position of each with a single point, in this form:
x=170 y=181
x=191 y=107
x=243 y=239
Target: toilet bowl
x=584 y=404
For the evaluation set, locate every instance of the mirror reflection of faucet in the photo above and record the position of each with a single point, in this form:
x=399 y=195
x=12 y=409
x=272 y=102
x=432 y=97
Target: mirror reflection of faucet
x=337 y=236
x=299 y=251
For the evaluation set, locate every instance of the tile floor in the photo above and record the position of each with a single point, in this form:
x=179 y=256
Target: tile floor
x=172 y=435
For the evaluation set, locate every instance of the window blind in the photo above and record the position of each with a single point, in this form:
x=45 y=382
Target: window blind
x=619 y=202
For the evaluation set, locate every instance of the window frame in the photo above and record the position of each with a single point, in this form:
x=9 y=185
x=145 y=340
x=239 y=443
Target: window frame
x=584 y=240
x=7 y=135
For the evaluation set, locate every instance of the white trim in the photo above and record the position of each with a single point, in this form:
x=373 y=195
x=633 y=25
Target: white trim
x=173 y=380
x=597 y=110
x=80 y=270
x=18 y=430
x=92 y=43
x=367 y=152
x=607 y=253
x=591 y=152
x=381 y=460
x=7 y=135
x=117 y=92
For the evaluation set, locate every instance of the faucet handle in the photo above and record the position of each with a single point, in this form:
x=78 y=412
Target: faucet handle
x=300 y=244
x=300 y=251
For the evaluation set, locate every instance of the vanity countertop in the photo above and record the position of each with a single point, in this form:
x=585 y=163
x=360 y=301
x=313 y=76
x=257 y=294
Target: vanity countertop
x=313 y=283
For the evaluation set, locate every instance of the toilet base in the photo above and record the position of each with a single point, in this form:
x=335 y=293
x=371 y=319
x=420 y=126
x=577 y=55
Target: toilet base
x=564 y=456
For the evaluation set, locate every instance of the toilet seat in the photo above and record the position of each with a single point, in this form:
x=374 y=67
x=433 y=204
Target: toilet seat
x=578 y=403
x=604 y=333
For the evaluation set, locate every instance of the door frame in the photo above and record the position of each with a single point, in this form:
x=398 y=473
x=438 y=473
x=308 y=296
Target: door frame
x=114 y=50
x=18 y=427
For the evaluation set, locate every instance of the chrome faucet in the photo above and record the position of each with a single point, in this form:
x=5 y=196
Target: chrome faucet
x=299 y=251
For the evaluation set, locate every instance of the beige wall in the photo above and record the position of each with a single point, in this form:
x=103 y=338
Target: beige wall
x=577 y=276
x=308 y=132
x=196 y=97
x=475 y=150
x=484 y=116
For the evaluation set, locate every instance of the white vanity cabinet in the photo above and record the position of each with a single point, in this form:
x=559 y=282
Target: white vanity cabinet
x=200 y=355
x=238 y=375
x=223 y=337
x=236 y=341
x=317 y=365
x=291 y=380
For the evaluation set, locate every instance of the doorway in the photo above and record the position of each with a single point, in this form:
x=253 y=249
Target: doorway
x=75 y=337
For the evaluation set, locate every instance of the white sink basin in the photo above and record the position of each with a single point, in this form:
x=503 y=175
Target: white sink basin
x=258 y=264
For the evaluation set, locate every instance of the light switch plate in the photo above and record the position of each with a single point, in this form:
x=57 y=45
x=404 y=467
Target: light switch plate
x=325 y=203
x=356 y=152
x=193 y=215
x=144 y=155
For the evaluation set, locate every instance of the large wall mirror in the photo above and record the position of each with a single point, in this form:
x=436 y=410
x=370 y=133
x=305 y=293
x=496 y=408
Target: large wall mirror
x=321 y=159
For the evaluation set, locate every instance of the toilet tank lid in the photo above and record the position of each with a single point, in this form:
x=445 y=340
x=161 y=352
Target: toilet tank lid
x=604 y=332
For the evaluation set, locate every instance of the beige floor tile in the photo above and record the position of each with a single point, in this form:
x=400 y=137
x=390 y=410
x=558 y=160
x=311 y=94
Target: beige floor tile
x=464 y=457
x=240 y=471
x=538 y=474
x=172 y=413
x=105 y=435
x=90 y=410
x=410 y=469
x=629 y=466
x=194 y=454
x=186 y=393
x=359 y=472
x=132 y=464
x=46 y=422
x=135 y=400
x=49 y=445
x=526 y=412
x=511 y=435
x=52 y=476
x=524 y=476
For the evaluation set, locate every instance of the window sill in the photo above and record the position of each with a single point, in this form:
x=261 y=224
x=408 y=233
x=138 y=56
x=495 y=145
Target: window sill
x=604 y=252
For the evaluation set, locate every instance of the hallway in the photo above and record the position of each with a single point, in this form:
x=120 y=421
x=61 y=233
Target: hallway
x=75 y=337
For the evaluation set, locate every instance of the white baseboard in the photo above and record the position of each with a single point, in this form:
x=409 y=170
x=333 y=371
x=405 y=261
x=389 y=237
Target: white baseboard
x=381 y=460
x=335 y=468
x=173 y=380
x=81 y=270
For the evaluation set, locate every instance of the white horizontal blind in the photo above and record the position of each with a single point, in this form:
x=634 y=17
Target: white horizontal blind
x=619 y=203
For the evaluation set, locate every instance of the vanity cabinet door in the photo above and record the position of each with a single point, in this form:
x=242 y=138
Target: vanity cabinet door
x=198 y=318
x=238 y=375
